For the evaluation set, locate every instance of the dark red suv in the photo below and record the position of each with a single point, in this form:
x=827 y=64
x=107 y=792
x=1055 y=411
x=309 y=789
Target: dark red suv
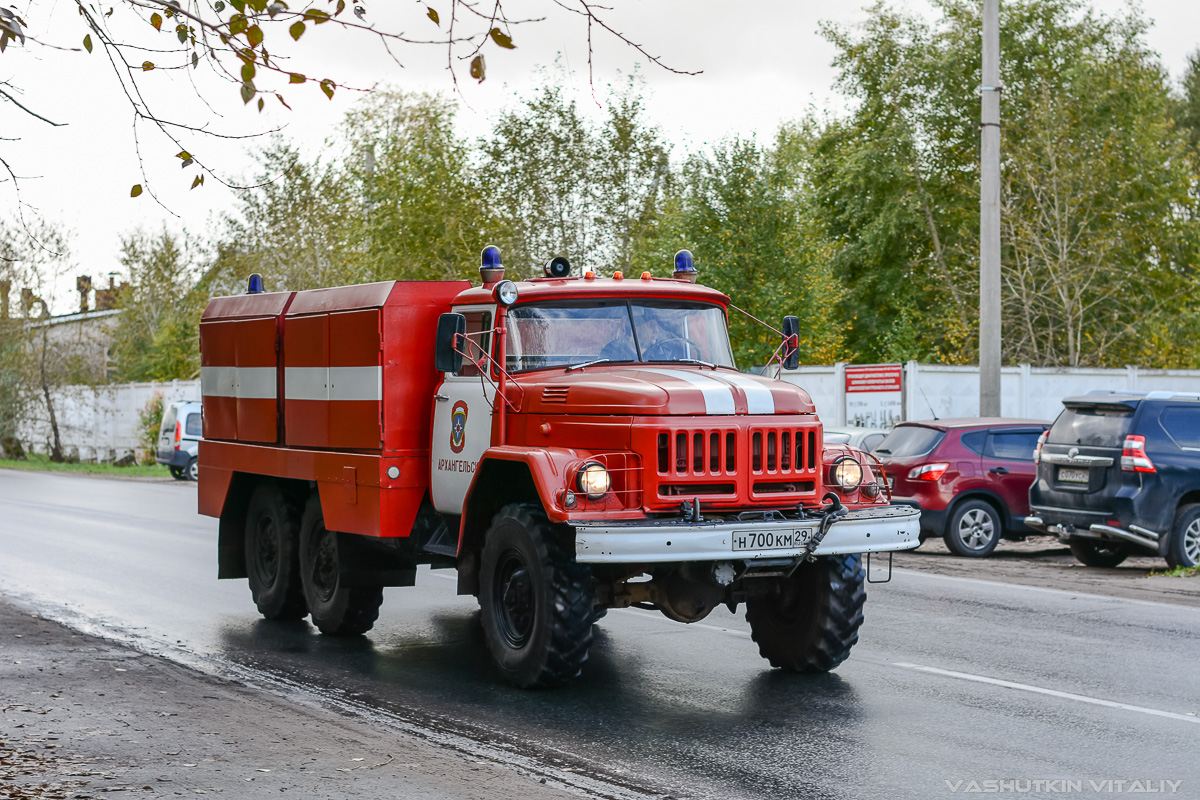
x=970 y=477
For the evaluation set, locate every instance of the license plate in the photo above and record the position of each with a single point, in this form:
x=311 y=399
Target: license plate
x=891 y=482
x=1068 y=475
x=771 y=540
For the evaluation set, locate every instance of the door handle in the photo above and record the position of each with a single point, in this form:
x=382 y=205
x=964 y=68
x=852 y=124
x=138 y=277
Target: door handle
x=440 y=397
x=999 y=470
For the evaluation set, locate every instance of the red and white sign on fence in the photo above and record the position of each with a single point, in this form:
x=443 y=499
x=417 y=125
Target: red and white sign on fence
x=874 y=395
x=875 y=378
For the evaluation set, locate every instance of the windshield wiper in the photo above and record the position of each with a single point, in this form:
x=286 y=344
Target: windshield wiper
x=695 y=361
x=587 y=364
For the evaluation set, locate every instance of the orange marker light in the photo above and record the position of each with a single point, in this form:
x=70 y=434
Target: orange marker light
x=645 y=276
x=618 y=276
x=589 y=275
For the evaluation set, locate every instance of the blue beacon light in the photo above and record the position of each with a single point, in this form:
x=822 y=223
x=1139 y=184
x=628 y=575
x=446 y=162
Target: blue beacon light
x=256 y=284
x=491 y=269
x=685 y=266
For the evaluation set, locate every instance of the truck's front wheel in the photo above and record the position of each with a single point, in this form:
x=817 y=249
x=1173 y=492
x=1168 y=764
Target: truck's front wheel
x=536 y=602
x=336 y=610
x=809 y=622
x=272 y=531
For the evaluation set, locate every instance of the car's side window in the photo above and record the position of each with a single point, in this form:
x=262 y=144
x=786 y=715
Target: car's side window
x=1182 y=423
x=194 y=426
x=1014 y=445
x=975 y=441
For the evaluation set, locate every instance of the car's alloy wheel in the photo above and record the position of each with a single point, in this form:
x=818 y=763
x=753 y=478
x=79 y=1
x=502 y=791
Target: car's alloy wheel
x=1183 y=550
x=974 y=530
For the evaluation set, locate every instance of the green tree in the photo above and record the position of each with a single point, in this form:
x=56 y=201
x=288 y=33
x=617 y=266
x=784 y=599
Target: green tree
x=157 y=334
x=1187 y=110
x=292 y=226
x=33 y=253
x=414 y=209
x=753 y=240
x=896 y=181
x=560 y=183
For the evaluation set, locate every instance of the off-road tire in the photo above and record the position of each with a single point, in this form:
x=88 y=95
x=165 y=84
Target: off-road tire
x=177 y=473
x=192 y=470
x=974 y=529
x=1093 y=553
x=809 y=622
x=271 y=542
x=336 y=610
x=1183 y=550
x=536 y=602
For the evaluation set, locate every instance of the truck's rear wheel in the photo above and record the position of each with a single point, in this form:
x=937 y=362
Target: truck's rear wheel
x=272 y=533
x=536 y=601
x=809 y=622
x=336 y=610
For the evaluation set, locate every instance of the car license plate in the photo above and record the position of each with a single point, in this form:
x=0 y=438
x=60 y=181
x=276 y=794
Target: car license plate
x=891 y=481
x=1068 y=475
x=771 y=540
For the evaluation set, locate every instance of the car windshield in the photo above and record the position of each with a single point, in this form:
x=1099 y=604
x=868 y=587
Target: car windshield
x=575 y=333
x=909 y=440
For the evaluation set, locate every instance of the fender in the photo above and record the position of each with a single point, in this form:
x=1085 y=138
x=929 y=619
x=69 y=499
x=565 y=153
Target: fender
x=508 y=474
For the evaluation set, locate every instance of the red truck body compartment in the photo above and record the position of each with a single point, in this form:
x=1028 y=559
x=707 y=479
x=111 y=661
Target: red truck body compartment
x=333 y=386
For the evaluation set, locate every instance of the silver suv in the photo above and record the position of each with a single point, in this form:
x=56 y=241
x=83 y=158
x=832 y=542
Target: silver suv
x=179 y=438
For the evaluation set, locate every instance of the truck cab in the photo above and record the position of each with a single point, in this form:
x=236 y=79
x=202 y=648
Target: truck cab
x=589 y=443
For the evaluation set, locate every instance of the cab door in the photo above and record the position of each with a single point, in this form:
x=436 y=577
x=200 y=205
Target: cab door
x=462 y=419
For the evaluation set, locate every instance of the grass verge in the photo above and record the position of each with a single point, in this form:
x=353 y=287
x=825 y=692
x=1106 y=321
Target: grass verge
x=42 y=463
x=1177 y=572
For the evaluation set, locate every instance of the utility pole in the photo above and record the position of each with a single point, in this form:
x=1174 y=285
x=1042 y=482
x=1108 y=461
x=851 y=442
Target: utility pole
x=989 y=215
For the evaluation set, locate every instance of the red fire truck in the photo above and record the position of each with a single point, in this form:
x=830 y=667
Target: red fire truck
x=569 y=444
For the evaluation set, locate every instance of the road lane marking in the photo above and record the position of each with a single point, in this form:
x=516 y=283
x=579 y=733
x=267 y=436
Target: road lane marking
x=1025 y=687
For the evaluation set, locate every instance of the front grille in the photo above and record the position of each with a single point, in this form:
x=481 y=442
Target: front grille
x=782 y=450
x=697 y=453
x=731 y=466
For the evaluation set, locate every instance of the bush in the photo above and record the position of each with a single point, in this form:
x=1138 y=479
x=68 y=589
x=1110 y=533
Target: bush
x=149 y=421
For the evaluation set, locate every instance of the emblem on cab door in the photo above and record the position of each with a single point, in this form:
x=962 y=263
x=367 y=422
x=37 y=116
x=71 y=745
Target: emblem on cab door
x=458 y=426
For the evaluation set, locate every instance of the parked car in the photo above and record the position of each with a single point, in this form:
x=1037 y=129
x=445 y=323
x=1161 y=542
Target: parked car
x=179 y=438
x=1119 y=473
x=970 y=477
x=862 y=438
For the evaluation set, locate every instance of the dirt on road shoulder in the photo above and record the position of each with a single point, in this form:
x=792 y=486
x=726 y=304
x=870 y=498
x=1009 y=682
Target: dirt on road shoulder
x=1042 y=561
x=82 y=718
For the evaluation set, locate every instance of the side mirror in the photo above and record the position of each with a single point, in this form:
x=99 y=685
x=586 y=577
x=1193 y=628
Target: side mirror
x=791 y=350
x=446 y=358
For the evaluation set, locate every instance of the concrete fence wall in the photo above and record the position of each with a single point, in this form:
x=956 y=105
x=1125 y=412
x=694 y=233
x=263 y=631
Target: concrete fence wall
x=1031 y=392
x=100 y=423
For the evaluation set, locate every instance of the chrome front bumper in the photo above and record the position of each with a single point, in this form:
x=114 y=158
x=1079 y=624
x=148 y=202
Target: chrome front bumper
x=867 y=530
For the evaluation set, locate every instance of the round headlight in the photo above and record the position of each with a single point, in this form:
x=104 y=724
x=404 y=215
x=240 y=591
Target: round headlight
x=593 y=480
x=847 y=473
x=505 y=293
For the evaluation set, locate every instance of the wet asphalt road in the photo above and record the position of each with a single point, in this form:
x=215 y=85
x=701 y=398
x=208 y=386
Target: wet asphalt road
x=952 y=680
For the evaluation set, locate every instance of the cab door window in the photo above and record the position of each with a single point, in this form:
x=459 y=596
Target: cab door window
x=479 y=333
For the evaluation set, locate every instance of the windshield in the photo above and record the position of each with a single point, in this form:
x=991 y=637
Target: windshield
x=571 y=333
x=906 y=441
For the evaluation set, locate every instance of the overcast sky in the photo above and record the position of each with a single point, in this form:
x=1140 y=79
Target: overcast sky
x=761 y=63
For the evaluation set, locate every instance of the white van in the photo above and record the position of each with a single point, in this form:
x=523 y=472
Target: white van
x=179 y=438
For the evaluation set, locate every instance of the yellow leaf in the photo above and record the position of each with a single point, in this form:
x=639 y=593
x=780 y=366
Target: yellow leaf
x=136 y=190
x=156 y=21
